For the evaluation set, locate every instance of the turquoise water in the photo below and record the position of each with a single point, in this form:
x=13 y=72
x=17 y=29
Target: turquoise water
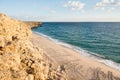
x=101 y=38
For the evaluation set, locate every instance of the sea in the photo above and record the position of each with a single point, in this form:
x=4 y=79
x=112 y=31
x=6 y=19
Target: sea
x=100 y=40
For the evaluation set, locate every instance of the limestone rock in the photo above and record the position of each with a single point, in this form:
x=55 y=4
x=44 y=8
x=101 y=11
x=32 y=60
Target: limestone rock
x=19 y=58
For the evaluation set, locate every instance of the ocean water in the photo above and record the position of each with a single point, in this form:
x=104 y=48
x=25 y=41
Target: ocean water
x=98 y=38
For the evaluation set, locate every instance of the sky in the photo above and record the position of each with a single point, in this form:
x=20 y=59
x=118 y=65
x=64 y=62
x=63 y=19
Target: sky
x=62 y=10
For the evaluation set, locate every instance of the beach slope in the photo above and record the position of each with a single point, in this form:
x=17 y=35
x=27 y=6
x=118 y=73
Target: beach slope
x=77 y=67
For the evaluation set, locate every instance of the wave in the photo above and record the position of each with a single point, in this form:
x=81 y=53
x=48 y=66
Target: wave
x=84 y=52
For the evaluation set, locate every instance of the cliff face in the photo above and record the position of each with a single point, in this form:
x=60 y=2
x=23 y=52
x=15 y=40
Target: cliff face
x=33 y=24
x=19 y=59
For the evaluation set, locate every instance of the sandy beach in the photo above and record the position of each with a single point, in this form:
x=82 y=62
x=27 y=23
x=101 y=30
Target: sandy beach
x=25 y=55
x=60 y=40
x=78 y=67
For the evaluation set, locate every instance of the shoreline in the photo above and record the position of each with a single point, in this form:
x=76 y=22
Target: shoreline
x=84 y=53
x=71 y=58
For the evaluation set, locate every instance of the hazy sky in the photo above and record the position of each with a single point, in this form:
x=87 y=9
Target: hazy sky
x=62 y=10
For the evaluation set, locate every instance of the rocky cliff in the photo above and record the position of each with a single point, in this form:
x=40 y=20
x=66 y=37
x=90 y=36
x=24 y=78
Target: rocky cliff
x=32 y=24
x=19 y=58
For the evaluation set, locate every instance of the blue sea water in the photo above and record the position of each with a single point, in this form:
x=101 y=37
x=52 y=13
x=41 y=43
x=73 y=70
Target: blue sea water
x=102 y=38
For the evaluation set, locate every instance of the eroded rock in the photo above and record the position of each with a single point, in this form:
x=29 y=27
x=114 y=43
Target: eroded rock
x=19 y=58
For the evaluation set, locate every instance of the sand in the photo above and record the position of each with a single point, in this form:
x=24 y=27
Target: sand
x=77 y=67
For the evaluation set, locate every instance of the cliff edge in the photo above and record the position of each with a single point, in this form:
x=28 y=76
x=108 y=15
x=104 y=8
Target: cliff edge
x=19 y=58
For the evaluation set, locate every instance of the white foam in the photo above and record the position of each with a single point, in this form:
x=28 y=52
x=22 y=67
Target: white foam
x=110 y=63
x=83 y=52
